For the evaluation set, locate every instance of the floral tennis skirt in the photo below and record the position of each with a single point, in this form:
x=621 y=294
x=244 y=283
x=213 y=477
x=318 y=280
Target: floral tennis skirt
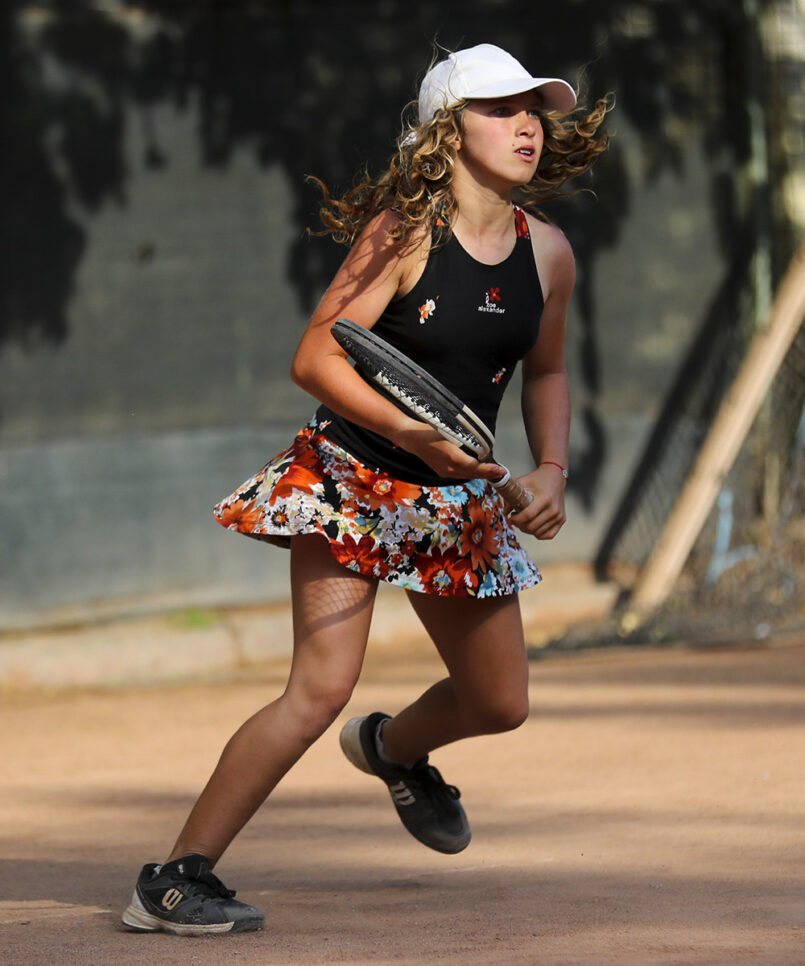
x=453 y=541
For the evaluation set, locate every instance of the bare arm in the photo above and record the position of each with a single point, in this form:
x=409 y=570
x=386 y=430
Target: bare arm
x=368 y=280
x=545 y=397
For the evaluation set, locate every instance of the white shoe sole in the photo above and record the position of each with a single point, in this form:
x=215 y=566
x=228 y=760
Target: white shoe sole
x=350 y=740
x=138 y=919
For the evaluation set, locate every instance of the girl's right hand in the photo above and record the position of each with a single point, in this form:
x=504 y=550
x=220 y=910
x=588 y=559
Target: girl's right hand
x=442 y=456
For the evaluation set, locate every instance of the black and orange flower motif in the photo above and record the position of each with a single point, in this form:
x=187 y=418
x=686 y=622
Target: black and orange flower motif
x=446 y=573
x=241 y=516
x=378 y=490
x=296 y=479
x=427 y=309
x=494 y=294
x=478 y=541
x=304 y=470
x=499 y=375
x=363 y=555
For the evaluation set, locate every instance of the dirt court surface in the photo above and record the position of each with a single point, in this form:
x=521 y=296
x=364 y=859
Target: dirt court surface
x=649 y=812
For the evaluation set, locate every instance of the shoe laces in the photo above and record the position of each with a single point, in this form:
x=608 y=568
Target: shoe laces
x=431 y=778
x=204 y=882
x=213 y=883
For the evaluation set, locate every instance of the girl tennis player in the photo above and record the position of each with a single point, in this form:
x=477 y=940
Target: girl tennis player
x=445 y=266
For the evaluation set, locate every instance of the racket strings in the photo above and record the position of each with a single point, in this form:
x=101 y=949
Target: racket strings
x=421 y=404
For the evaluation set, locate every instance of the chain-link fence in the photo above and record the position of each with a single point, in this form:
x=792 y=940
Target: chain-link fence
x=745 y=578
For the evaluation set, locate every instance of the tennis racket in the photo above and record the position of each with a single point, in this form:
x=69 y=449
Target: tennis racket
x=426 y=399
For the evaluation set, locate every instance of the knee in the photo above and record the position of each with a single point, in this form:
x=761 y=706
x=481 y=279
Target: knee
x=316 y=708
x=494 y=717
x=327 y=702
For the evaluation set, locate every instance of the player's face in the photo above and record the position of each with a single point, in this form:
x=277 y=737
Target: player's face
x=502 y=138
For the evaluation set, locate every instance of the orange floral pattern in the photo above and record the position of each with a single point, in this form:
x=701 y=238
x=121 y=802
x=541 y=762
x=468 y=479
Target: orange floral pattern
x=426 y=310
x=452 y=540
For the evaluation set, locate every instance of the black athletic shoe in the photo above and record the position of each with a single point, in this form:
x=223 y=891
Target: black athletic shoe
x=427 y=806
x=184 y=897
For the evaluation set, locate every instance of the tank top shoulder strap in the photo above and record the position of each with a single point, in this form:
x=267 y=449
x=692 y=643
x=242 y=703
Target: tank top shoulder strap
x=521 y=223
x=440 y=223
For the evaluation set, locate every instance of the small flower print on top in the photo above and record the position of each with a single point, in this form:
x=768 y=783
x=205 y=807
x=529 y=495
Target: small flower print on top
x=499 y=375
x=427 y=310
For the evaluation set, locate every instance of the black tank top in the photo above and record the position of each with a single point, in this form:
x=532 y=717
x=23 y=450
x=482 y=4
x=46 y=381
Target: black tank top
x=468 y=324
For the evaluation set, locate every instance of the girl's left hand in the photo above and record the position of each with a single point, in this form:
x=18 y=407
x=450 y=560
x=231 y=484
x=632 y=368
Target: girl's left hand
x=544 y=516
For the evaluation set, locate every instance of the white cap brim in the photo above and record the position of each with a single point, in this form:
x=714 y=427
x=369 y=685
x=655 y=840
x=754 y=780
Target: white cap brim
x=557 y=95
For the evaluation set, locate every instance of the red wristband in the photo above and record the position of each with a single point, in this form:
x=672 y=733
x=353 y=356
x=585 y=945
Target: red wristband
x=558 y=465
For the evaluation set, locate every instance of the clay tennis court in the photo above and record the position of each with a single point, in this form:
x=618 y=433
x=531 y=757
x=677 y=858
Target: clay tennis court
x=649 y=812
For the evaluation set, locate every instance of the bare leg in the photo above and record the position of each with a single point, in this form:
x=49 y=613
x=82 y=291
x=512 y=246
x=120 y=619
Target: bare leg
x=482 y=645
x=332 y=611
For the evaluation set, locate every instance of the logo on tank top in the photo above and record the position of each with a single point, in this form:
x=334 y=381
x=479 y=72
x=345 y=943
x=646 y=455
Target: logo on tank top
x=490 y=305
x=427 y=310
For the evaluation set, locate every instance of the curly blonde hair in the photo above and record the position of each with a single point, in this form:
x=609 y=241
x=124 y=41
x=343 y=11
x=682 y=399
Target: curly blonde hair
x=417 y=184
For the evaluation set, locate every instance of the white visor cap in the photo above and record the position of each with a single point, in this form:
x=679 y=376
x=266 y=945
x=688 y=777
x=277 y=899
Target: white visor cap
x=486 y=71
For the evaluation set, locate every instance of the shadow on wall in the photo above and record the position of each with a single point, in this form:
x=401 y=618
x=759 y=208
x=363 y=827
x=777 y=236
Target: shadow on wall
x=306 y=86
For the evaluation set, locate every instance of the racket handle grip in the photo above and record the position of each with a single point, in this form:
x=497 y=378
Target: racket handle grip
x=515 y=496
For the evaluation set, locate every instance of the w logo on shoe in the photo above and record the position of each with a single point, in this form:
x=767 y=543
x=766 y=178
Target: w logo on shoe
x=171 y=899
x=402 y=794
